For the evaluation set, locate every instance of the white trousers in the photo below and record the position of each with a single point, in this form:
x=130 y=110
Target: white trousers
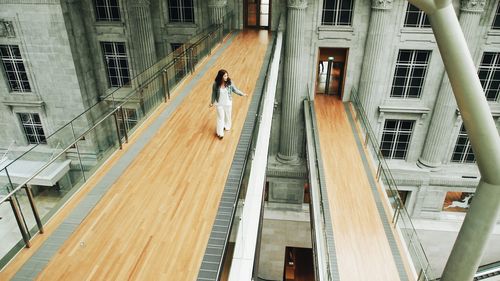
x=223 y=118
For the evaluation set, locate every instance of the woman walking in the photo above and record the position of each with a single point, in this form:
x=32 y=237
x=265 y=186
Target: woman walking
x=222 y=90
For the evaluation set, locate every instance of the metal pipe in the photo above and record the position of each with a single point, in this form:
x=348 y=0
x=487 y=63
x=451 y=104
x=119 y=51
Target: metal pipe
x=24 y=232
x=33 y=208
x=125 y=126
x=485 y=208
x=118 y=130
x=78 y=153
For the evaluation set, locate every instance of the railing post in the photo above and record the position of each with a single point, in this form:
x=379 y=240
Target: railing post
x=24 y=232
x=396 y=215
x=117 y=130
x=125 y=126
x=78 y=153
x=33 y=207
x=379 y=168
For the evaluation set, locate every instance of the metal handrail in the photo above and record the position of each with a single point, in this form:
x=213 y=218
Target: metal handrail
x=322 y=253
x=2 y=200
x=248 y=152
x=112 y=112
x=124 y=100
x=384 y=171
x=169 y=64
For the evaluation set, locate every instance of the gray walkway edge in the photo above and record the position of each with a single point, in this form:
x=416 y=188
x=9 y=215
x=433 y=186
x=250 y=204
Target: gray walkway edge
x=214 y=254
x=44 y=254
x=385 y=221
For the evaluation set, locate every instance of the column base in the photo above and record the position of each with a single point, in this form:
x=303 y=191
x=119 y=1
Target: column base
x=289 y=160
x=428 y=165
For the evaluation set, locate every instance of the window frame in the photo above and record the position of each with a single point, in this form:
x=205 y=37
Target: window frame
x=38 y=139
x=109 y=14
x=490 y=72
x=123 y=80
x=397 y=133
x=16 y=61
x=410 y=67
x=181 y=15
x=336 y=19
x=422 y=19
x=467 y=151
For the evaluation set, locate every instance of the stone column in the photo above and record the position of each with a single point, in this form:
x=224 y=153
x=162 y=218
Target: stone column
x=374 y=74
x=443 y=119
x=141 y=35
x=294 y=89
x=217 y=10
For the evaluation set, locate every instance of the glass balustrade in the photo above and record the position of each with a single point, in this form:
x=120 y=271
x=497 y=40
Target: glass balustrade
x=35 y=184
x=401 y=218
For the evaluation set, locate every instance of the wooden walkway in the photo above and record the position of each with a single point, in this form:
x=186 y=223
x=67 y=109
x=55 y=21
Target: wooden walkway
x=155 y=220
x=362 y=247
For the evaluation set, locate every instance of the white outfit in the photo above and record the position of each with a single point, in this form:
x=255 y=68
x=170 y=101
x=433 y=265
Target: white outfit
x=224 y=107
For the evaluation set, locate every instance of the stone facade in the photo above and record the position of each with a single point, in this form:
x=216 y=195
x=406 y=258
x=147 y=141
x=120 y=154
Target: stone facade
x=60 y=45
x=449 y=176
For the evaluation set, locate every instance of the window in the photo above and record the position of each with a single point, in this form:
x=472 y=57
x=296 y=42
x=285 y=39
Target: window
x=33 y=129
x=337 y=12
x=14 y=68
x=496 y=21
x=489 y=75
x=181 y=10
x=115 y=57
x=396 y=138
x=107 y=10
x=130 y=116
x=409 y=75
x=463 y=151
x=416 y=17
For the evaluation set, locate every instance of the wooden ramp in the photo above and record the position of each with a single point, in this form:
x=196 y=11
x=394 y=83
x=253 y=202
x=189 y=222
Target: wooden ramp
x=155 y=220
x=362 y=247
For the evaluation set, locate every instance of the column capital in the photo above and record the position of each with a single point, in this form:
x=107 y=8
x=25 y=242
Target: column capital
x=474 y=6
x=217 y=3
x=297 y=4
x=382 y=4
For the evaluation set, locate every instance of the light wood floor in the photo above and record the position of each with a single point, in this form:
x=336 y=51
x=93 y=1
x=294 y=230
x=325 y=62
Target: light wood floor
x=363 y=251
x=155 y=221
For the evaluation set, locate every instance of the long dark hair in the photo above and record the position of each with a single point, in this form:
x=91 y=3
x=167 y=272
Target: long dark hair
x=219 y=80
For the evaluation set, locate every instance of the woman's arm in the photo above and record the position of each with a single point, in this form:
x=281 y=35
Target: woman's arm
x=237 y=91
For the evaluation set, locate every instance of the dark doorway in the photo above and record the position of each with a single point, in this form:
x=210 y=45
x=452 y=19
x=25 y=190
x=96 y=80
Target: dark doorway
x=298 y=264
x=257 y=13
x=332 y=63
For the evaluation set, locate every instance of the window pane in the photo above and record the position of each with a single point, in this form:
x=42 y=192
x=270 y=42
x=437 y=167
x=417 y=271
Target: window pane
x=115 y=57
x=396 y=137
x=410 y=71
x=337 y=12
x=14 y=68
x=489 y=75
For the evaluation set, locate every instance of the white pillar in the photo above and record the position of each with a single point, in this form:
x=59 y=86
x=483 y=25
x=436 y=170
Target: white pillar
x=444 y=115
x=485 y=208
